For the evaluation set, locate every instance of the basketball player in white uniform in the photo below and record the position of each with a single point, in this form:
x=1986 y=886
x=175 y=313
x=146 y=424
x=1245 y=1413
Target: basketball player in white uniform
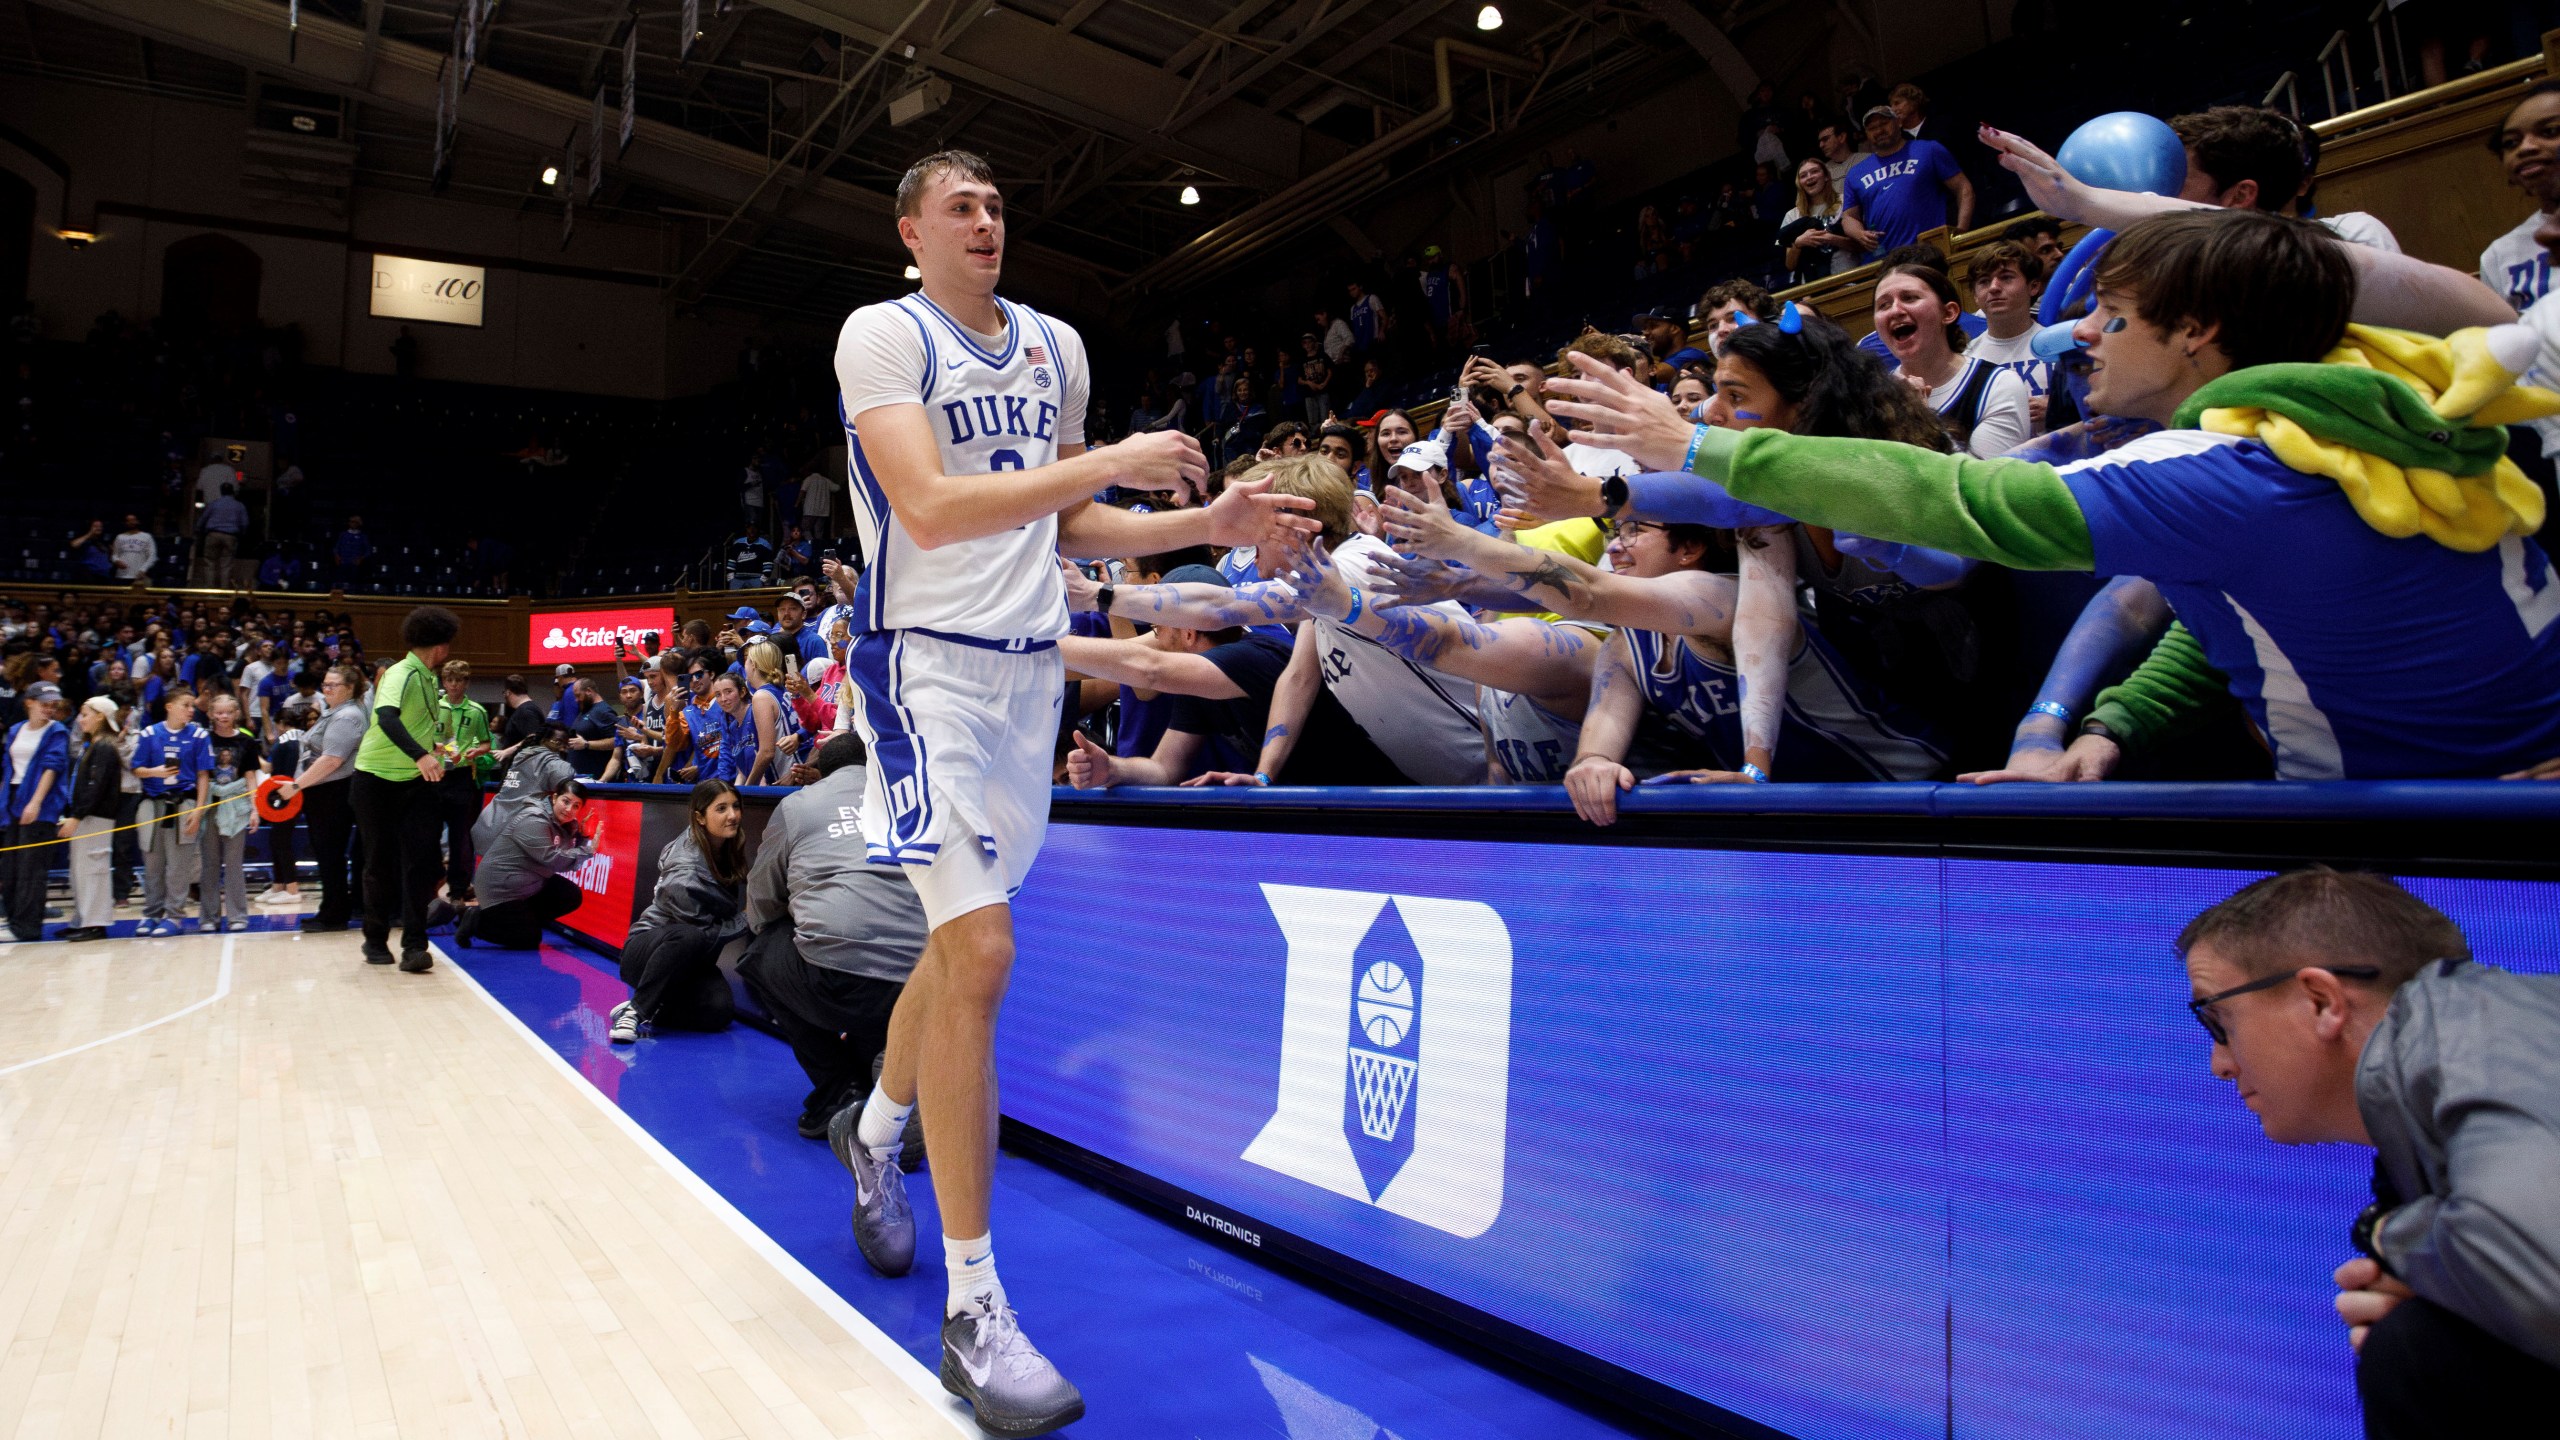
x=965 y=419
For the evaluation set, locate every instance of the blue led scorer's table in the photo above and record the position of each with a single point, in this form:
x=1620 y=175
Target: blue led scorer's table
x=1800 y=1110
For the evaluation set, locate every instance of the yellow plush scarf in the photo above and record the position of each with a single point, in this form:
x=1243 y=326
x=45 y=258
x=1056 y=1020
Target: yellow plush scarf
x=2438 y=478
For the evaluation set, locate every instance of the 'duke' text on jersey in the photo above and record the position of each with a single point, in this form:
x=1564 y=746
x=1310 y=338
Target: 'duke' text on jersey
x=998 y=415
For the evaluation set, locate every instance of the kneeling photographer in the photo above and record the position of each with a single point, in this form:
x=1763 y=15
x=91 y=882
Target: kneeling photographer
x=2346 y=1009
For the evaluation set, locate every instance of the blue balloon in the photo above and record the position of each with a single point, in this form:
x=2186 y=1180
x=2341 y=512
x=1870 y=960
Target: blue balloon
x=2126 y=150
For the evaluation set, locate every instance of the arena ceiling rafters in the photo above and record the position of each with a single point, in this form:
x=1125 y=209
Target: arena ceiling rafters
x=772 y=142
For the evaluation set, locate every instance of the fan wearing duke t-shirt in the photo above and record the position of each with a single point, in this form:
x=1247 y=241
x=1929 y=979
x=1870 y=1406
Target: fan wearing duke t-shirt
x=1894 y=198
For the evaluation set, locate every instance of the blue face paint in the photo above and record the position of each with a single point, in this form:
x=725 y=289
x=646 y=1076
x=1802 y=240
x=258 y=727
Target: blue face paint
x=1745 y=415
x=2113 y=326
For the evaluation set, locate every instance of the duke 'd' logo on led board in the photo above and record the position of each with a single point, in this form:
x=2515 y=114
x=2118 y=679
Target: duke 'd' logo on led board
x=1395 y=1053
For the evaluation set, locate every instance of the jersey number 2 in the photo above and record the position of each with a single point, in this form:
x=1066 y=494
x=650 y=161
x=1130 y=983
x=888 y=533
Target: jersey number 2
x=1005 y=460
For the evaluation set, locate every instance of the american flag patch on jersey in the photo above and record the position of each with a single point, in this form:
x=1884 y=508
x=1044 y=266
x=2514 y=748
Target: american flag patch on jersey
x=1035 y=354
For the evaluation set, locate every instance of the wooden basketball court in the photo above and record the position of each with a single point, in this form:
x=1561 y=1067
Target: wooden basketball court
x=251 y=1186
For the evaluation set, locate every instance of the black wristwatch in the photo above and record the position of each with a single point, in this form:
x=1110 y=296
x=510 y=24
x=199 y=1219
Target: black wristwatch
x=2099 y=729
x=2361 y=1235
x=1613 y=494
x=1105 y=596
x=1514 y=391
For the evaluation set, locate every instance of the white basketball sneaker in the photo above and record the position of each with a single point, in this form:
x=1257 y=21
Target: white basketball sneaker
x=884 y=1228
x=987 y=1361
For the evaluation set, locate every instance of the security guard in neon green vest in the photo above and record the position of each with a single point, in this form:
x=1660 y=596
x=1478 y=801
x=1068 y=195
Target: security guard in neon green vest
x=397 y=787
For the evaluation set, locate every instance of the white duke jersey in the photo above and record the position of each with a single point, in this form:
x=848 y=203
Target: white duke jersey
x=1535 y=745
x=1005 y=402
x=1424 y=720
x=2516 y=266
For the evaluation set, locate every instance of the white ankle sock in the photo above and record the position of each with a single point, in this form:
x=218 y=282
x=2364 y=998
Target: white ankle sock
x=883 y=1121
x=972 y=1267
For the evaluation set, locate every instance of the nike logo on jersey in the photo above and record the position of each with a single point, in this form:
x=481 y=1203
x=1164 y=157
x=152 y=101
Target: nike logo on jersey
x=954 y=364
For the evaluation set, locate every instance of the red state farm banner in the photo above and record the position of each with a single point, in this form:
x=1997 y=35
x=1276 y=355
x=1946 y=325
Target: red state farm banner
x=610 y=878
x=557 y=637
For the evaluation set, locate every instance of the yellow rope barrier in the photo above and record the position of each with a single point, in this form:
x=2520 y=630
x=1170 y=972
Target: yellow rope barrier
x=120 y=829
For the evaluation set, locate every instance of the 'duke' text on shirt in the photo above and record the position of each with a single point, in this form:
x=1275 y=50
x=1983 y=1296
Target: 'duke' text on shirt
x=991 y=415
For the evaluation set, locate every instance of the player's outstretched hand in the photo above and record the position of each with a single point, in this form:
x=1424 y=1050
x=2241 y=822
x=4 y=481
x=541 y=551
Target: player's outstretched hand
x=1222 y=777
x=1699 y=777
x=1084 y=593
x=1247 y=513
x=1538 y=484
x=1620 y=412
x=1594 y=783
x=1166 y=462
x=1089 y=766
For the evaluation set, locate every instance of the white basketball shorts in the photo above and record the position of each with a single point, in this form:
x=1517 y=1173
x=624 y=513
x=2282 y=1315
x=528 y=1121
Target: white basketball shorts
x=963 y=736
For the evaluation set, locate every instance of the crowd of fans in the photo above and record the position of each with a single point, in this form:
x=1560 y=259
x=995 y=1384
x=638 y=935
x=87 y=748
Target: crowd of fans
x=1443 y=635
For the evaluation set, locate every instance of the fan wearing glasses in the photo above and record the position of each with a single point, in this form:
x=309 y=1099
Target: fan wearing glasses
x=2343 y=1008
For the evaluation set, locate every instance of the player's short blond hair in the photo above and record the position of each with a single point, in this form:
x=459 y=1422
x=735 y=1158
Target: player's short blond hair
x=1317 y=479
x=966 y=164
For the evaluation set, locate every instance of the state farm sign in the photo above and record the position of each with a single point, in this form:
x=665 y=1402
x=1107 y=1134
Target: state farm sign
x=571 y=637
x=407 y=289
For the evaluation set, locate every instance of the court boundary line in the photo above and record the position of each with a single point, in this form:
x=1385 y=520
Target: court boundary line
x=854 y=1323
x=221 y=989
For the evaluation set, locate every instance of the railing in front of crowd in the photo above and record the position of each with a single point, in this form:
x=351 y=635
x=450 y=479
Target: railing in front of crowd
x=1790 y=1109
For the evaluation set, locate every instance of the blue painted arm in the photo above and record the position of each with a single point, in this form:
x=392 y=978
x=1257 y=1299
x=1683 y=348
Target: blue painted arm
x=2116 y=629
x=1917 y=564
x=1676 y=497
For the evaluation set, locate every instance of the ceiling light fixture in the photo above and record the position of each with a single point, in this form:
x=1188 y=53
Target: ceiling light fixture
x=77 y=239
x=550 y=174
x=1489 y=18
x=1190 y=195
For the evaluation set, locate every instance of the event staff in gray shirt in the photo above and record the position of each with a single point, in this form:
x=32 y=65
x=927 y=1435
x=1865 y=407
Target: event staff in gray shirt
x=523 y=881
x=534 y=774
x=2346 y=1009
x=328 y=758
x=836 y=936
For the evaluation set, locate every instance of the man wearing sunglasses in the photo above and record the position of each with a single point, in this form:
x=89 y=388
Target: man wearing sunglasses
x=2344 y=1008
x=693 y=728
